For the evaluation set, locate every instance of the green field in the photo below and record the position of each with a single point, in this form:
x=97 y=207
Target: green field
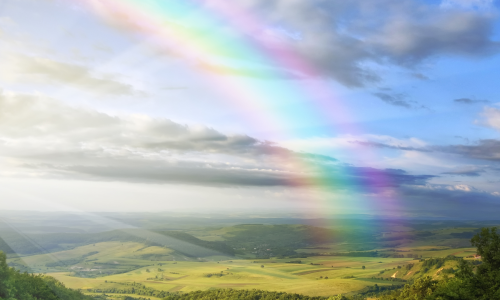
x=314 y=276
x=290 y=258
x=275 y=275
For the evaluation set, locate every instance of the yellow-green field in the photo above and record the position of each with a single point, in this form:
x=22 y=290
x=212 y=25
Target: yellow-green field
x=276 y=275
x=315 y=276
x=119 y=265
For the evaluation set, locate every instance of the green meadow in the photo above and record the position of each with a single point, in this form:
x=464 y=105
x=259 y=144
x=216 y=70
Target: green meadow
x=273 y=257
x=315 y=276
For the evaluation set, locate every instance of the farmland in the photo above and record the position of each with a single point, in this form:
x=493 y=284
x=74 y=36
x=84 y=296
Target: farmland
x=293 y=258
x=316 y=276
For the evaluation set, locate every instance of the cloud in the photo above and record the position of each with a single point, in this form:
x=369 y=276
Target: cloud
x=484 y=149
x=451 y=201
x=388 y=146
x=370 y=177
x=492 y=117
x=420 y=76
x=408 y=41
x=469 y=171
x=50 y=139
x=348 y=141
x=397 y=100
x=32 y=118
x=467 y=4
x=346 y=35
x=470 y=101
x=316 y=38
x=393 y=99
x=24 y=69
x=160 y=172
x=219 y=174
x=45 y=134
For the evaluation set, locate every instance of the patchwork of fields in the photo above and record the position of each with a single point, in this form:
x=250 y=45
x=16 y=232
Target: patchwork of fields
x=290 y=258
x=89 y=265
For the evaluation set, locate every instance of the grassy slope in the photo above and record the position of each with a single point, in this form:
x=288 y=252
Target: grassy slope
x=277 y=275
x=245 y=274
x=41 y=243
x=122 y=255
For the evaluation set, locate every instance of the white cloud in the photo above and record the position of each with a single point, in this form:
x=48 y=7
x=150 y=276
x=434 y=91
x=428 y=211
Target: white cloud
x=47 y=137
x=461 y=187
x=25 y=69
x=328 y=144
x=492 y=117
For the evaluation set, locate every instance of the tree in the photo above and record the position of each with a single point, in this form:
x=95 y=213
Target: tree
x=471 y=281
x=23 y=286
x=363 y=267
x=262 y=266
x=338 y=297
x=6 y=284
x=484 y=283
x=421 y=289
x=481 y=282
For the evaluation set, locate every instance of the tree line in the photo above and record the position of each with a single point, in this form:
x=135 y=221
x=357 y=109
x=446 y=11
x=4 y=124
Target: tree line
x=15 y=285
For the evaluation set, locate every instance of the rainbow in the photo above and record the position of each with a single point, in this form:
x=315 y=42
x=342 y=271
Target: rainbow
x=192 y=31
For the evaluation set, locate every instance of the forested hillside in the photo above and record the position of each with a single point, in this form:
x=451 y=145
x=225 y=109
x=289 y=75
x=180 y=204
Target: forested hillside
x=23 y=286
x=470 y=281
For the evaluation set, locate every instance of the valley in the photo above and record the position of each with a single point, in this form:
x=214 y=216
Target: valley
x=292 y=258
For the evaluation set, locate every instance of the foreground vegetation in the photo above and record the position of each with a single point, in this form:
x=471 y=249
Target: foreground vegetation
x=240 y=295
x=23 y=286
x=469 y=283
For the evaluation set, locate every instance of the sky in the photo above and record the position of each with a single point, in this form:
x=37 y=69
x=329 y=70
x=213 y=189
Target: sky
x=386 y=108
